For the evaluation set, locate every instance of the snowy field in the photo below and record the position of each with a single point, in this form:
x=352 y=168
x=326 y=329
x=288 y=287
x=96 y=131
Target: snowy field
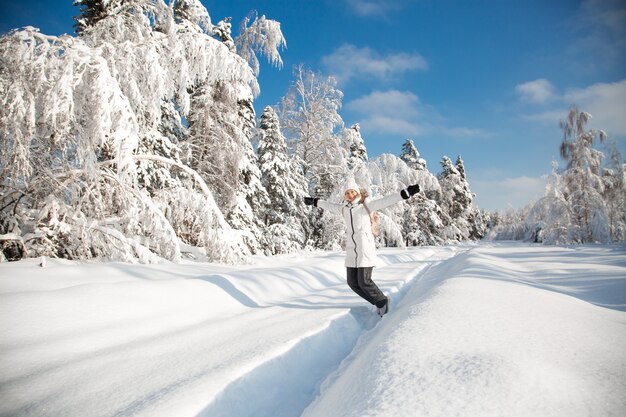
x=503 y=329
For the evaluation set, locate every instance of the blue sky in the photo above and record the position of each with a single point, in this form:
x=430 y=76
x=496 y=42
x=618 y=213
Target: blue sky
x=486 y=79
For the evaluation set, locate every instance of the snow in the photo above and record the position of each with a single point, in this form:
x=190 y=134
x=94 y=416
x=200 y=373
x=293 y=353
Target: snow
x=506 y=329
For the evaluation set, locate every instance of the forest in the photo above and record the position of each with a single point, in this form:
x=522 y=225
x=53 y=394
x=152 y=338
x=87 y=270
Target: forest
x=137 y=140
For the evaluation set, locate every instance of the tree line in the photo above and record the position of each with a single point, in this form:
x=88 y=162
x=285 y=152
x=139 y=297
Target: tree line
x=137 y=140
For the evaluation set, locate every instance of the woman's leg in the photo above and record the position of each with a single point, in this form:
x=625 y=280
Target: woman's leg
x=373 y=294
x=353 y=282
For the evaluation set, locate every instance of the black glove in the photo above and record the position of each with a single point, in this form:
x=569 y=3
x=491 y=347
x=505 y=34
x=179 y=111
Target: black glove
x=311 y=201
x=410 y=190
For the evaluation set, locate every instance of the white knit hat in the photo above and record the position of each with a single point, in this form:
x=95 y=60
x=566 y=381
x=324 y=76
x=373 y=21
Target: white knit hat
x=350 y=184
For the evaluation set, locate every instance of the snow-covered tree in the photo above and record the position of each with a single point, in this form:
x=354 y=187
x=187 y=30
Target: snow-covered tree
x=223 y=31
x=97 y=157
x=193 y=12
x=614 y=181
x=91 y=11
x=309 y=115
x=409 y=222
x=475 y=218
x=582 y=178
x=456 y=200
x=411 y=156
x=286 y=187
x=262 y=35
x=583 y=202
x=357 y=154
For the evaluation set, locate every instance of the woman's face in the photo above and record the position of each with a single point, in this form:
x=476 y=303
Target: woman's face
x=350 y=195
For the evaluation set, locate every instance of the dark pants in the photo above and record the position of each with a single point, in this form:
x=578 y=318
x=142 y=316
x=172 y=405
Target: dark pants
x=360 y=280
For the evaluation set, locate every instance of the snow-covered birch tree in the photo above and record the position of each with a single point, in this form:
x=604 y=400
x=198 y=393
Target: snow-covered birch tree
x=582 y=178
x=309 y=114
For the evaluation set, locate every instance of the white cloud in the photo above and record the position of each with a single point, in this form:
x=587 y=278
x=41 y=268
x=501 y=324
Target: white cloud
x=391 y=102
x=508 y=192
x=549 y=117
x=373 y=7
x=391 y=125
x=402 y=113
x=606 y=102
x=463 y=132
x=348 y=62
x=390 y=111
x=537 y=91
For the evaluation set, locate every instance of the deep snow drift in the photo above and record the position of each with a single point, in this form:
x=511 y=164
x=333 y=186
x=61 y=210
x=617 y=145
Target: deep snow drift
x=487 y=330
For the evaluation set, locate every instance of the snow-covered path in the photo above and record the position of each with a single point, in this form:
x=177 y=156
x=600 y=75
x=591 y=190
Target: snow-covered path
x=504 y=329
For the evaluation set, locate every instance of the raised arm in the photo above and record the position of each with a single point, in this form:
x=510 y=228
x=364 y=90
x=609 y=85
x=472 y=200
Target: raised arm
x=316 y=202
x=392 y=199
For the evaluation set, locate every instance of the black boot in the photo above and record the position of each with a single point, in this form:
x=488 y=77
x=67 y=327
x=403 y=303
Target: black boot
x=384 y=309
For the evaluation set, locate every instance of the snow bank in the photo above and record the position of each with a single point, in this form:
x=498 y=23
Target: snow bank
x=482 y=337
x=490 y=330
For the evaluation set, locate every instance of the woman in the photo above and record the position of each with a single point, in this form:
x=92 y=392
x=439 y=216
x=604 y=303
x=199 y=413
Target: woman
x=360 y=247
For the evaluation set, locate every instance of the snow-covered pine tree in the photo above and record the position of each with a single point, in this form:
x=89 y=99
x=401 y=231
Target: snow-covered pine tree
x=223 y=31
x=91 y=11
x=475 y=218
x=285 y=215
x=422 y=218
x=357 y=155
x=582 y=178
x=194 y=12
x=455 y=200
x=404 y=222
x=251 y=197
x=411 y=156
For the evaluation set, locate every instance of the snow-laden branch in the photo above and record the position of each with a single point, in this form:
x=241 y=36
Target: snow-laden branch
x=263 y=35
x=205 y=189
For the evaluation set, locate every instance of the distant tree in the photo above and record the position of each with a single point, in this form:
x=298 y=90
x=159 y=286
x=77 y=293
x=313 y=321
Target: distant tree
x=456 y=200
x=415 y=221
x=411 y=156
x=582 y=178
x=614 y=181
x=475 y=218
x=357 y=154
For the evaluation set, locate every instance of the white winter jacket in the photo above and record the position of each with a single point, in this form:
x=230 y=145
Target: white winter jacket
x=360 y=246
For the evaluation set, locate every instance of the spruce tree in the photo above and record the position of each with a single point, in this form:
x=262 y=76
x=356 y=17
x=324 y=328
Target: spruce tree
x=411 y=156
x=286 y=188
x=91 y=12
